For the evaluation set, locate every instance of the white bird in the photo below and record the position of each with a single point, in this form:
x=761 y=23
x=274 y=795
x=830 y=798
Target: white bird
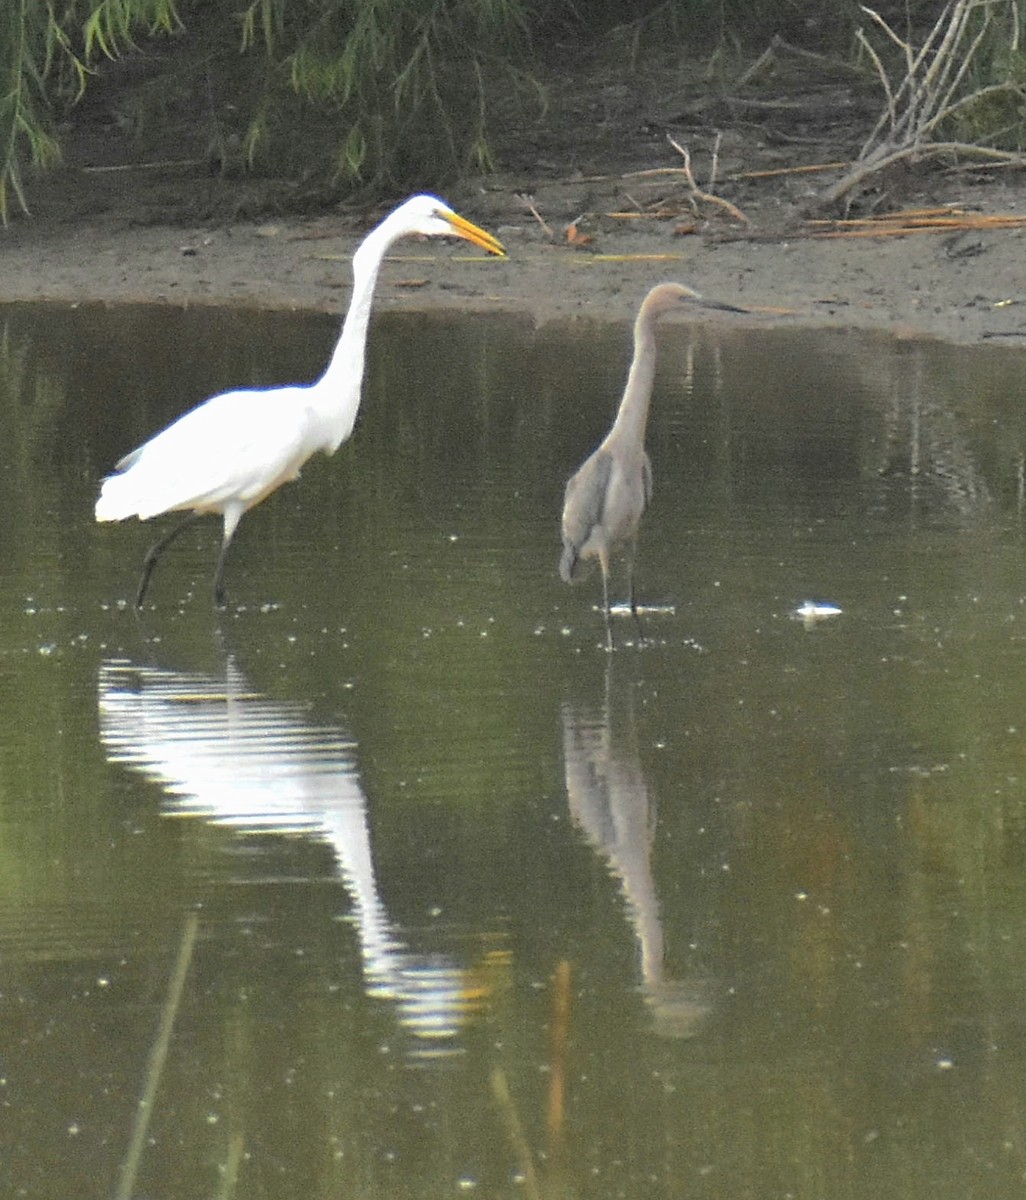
x=233 y=450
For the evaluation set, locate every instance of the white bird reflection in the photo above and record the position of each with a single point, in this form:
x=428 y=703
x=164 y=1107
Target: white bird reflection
x=237 y=758
x=609 y=799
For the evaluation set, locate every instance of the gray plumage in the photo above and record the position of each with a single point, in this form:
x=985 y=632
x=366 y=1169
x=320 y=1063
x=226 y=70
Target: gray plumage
x=607 y=496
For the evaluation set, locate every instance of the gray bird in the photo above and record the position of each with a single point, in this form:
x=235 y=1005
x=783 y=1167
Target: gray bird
x=605 y=499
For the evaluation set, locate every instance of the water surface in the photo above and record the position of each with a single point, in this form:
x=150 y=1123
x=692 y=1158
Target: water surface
x=458 y=901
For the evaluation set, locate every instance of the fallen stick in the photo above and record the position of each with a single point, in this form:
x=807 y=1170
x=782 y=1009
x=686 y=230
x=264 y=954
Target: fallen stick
x=904 y=230
x=777 y=171
x=942 y=210
x=166 y=165
x=529 y=204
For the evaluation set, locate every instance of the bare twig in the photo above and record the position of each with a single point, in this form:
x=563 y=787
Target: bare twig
x=698 y=193
x=528 y=203
x=765 y=58
x=890 y=115
x=169 y=164
x=779 y=47
x=714 y=167
x=931 y=92
x=807 y=169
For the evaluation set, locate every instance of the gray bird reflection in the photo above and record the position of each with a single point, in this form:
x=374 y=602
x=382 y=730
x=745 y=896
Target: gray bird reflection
x=236 y=758
x=610 y=800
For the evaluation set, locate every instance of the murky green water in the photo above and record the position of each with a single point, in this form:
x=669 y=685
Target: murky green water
x=390 y=882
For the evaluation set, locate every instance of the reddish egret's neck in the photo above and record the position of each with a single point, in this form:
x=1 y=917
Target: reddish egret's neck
x=631 y=420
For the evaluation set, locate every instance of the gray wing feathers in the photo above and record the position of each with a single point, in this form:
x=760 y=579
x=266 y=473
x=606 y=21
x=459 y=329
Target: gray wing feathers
x=583 y=504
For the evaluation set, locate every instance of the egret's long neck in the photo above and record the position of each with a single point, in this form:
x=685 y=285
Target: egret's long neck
x=632 y=417
x=339 y=387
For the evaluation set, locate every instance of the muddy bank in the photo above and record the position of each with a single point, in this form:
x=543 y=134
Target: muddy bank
x=146 y=218
x=962 y=287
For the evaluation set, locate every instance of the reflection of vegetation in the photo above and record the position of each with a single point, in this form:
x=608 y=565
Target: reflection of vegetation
x=839 y=837
x=30 y=400
x=32 y=404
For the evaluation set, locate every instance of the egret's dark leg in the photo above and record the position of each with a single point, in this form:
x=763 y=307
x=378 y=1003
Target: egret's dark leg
x=219 y=593
x=155 y=551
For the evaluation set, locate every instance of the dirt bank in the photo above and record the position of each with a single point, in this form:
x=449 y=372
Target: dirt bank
x=115 y=224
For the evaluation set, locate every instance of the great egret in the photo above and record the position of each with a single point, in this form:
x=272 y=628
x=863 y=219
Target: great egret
x=233 y=450
x=606 y=497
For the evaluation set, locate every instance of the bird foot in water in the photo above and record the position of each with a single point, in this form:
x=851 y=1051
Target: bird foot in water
x=623 y=609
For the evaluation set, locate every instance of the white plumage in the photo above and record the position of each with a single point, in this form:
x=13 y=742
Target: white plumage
x=233 y=450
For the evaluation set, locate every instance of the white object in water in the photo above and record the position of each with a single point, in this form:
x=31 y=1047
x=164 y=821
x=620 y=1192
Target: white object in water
x=623 y=609
x=813 y=611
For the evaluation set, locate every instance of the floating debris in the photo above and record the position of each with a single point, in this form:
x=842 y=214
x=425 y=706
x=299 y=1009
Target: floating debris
x=643 y=610
x=813 y=611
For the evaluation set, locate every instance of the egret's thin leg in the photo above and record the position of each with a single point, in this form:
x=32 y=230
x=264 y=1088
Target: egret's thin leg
x=219 y=594
x=631 y=547
x=631 y=550
x=604 y=564
x=155 y=551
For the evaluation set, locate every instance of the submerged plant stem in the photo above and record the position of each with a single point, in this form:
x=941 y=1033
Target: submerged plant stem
x=158 y=1057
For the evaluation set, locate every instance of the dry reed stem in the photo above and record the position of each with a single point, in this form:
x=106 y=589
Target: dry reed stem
x=809 y=168
x=915 y=221
x=777 y=46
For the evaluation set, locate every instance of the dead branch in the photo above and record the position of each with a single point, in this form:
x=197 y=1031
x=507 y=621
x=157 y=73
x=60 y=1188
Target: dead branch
x=714 y=167
x=773 y=172
x=929 y=94
x=862 y=171
x=697 y=193
x=528 y=203
x=777 y=48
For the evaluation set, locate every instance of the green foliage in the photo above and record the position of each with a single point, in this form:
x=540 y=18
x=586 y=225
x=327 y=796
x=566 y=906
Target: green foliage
x=44 y=54
x=108 y=28
x=991 y=105
x=27 y=51
x=379 y=95
x=374 y=94
x=384 y=92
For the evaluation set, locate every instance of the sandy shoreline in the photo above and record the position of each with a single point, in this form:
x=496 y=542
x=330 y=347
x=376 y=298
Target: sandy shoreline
x=965 y=287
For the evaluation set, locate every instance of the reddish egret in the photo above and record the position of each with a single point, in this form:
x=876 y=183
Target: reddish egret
x=605 y=499
x=232 y=451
